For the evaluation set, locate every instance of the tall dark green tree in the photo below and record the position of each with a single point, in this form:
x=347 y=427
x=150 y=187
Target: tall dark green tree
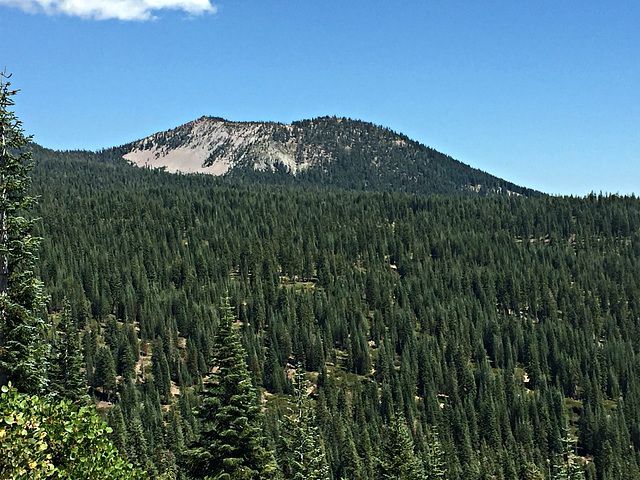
x=398 y=460
x=67 y=380
x=231 y=444
x=105 y=374
x=567 y=466
x=302 y=453
x=21 y=345
x=434 y=461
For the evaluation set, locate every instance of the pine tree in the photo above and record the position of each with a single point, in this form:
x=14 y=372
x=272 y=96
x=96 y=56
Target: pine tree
x=567 y=467
x=160 y=369
x=118 y=435
x=128 y=362
x=136 y=442
x=21 y=345
x=175 y=435
x=531 y=472
x=105 y=374
x=434 y=462
x=66 y=378
x=302 y=454
x=397 y=457
x=231 y=442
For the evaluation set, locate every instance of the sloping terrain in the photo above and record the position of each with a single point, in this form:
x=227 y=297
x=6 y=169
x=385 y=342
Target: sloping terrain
x=503 y=329
x=325 y=151
x=213 y=146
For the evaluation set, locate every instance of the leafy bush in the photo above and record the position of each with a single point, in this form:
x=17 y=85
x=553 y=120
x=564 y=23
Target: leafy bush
x=56 y=440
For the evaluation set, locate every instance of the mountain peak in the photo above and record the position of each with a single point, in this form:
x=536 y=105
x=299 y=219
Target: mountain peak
x=213 y=145
x=334 y=151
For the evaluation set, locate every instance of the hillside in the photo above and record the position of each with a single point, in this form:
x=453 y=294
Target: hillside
x=326 y=151
x=501 y=329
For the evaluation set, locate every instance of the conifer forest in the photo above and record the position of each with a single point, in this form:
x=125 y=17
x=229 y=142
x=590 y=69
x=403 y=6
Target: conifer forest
x=242 y=328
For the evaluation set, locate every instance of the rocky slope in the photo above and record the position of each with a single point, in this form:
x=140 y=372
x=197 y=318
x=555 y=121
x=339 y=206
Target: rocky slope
x=325 y=151
x=213 y=145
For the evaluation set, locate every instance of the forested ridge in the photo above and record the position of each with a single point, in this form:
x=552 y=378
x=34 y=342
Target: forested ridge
x=325 y=151
x=496 y=336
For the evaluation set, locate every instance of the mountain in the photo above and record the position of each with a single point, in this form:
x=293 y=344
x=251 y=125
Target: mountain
x=325 y=151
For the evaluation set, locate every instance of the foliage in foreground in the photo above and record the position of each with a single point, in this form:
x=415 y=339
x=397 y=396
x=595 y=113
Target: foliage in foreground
x=21 y=295
x=56 y=440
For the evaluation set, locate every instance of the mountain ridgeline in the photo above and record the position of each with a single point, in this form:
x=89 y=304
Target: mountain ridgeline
x=326 y=152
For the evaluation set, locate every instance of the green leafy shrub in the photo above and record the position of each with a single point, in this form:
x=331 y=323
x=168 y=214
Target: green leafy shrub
x=56 y=440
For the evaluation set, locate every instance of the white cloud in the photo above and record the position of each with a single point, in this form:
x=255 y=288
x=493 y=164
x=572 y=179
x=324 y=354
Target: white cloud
x=108 y=9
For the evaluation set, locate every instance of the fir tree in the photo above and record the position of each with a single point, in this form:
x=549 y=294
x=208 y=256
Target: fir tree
x=302 y=454
x=567 y=467
x=434 y=461
x=118 y=435
x=136 y=442
x=231 y=442
x=105 y=374
x=21 y=345
x=397 y=457
x=66 y=378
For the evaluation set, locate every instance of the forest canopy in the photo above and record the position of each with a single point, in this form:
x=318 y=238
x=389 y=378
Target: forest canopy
x=500 y=332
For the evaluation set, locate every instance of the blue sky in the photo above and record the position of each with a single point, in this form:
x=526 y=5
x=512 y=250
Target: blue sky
x=545 y=94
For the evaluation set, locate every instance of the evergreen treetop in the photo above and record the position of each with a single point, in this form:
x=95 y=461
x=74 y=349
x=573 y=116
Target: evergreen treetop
x=398 y=460
x=67 y=380
x=302 y=452
x=21 y=345
x=231 y=442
